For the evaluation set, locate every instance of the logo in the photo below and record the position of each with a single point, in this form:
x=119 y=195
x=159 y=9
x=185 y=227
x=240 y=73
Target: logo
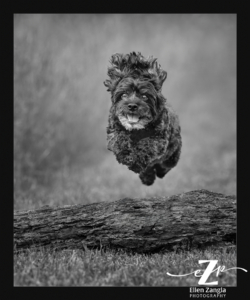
x=209 y=270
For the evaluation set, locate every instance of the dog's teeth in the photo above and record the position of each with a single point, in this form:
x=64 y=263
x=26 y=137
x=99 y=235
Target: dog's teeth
x=133 y=118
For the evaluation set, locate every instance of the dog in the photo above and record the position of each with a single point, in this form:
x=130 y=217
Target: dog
x=143 y=130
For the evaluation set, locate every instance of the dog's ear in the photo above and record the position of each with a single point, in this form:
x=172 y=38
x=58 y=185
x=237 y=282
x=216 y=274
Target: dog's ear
x=157 y=72
x=162 y=76
x=108 y=84
x=117 y=60
x=111 y=84
x=114 y=71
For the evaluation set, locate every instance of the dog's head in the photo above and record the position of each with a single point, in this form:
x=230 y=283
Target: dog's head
x=135 y=85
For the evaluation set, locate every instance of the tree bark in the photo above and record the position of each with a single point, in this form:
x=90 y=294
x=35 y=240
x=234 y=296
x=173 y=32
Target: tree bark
x=190 y=220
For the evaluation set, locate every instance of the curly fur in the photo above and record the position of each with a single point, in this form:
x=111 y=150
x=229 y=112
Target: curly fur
x=143 y=130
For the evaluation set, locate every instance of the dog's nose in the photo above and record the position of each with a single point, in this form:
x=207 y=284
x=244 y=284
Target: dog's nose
x=132 y=106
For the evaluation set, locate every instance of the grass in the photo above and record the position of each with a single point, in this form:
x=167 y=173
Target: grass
x=118 y=268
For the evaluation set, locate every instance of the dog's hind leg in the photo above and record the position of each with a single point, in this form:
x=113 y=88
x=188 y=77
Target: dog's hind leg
x=167 y=165
x=161 y=170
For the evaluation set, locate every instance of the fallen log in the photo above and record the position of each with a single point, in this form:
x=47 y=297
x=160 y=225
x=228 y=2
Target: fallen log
x=190 y=220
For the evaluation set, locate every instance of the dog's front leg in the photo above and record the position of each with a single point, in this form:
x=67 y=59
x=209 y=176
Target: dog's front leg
x=111 y=141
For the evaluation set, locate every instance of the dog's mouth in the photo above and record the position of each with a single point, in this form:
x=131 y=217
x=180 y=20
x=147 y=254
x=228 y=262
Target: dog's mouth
x=134 y=121
x=132 y=118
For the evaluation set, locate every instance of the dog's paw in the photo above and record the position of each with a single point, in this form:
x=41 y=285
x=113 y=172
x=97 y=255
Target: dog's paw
x=148 y=177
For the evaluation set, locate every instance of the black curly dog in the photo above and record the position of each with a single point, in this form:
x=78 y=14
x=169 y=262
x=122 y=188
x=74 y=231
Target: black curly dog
x=143 y=130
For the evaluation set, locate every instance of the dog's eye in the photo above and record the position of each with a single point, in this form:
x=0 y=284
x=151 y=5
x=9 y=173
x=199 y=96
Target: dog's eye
x=144 y=97
x=123 y=95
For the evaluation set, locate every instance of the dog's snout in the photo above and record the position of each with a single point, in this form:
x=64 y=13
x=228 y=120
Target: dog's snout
x=132 y=106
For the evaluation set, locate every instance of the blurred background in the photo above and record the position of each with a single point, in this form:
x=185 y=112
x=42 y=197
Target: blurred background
x=61 y=106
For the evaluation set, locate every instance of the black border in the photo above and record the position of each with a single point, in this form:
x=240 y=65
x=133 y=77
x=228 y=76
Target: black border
x=242 y=184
